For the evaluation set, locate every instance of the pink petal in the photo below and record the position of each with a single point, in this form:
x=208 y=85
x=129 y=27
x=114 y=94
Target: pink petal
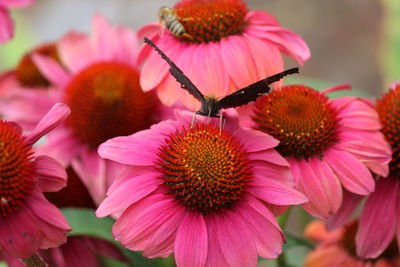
x=269 y=156
x=56 y=115
x=285 y=40
x=261 y=17
x=191 y=241
x=16 y=3
x=281 y=174
x=155 y=69
x=62 y=145
x=103 y=38
x=349 y=204
x=354 y=176
x=145 y=49
x=123 y=149
x=129 y=192
x=6 y=25
x=52 y=70
x=75 y=51
x=217 y=82
x=255 y=140
x=267 y=58
x=237 y=59
x=235 y=240
x=148 y=30
x=127 y=46
x=369 y=147
x=168 y=91
x=267 y=236
x=379 y=218
x=52 y=175
x=274 y=192
x=357 y=114
x=340 y=87
x=318 y=182
x=215 y=257
x=48 y=212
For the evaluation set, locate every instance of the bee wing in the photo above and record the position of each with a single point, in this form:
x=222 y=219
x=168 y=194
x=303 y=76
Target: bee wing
x=178 y=74
x=253 y=91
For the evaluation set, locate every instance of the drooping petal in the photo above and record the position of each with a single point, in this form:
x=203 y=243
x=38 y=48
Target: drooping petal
x=6 y=25
x=129 y=192
x=318 y=182
x=52 y=175
x=56 y=115
x=285 y=40
x=256 y=140
x=123 y=149
x=215 y=257
x=191 y=242
x=268 y=237
x=261 y=17
x=349 y=204
x=52 y=70
x=235 y=240
x=237 y=59
x=75 y=51
x=274 y=192
x=357 y=114
x=378 y=221
x=354 y=175
x=369 y=147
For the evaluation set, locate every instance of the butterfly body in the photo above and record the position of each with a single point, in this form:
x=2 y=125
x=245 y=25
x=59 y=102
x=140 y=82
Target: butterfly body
x=212 y=106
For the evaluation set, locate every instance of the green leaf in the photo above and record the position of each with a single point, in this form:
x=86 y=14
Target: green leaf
x=84 y=222
x=321 y=85
x=390 y=51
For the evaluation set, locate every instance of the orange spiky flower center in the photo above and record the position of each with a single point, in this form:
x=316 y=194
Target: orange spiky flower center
x=300 y=118
x=211 y=20
x=17 y=169
x=388 y=108
x=28 y=74
x=204 y=168
x=106 y=101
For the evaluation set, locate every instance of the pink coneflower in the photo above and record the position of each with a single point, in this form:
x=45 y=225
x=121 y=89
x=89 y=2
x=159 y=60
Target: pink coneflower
x=337 y=248
x=229 y=45
x=79 y=251
x=380 y=219
x=27 y=220
x=6 y=22
x=330 y=144
x=99 y=80
x=200 y=192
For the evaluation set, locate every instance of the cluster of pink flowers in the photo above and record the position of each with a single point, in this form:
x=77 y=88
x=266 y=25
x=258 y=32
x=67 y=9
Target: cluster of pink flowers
x=206 y=189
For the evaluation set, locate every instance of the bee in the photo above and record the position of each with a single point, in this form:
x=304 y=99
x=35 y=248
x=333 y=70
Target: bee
x=169 y=19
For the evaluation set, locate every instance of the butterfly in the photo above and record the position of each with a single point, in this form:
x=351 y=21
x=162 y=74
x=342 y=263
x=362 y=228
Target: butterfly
x=211 y=106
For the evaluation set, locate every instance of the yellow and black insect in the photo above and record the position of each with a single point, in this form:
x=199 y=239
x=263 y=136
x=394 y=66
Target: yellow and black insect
x=169 y=19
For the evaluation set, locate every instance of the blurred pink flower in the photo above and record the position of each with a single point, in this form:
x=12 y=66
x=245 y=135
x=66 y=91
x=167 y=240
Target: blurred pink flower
x=337 y=248
x=330 y=144
x=229 y=48
x=27 y=220
x=97 y=76
x=79 y=251
x=380 y=219
x=199 y=192
x=6 y=22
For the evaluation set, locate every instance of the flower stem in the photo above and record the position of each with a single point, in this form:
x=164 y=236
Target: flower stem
x=34 y=261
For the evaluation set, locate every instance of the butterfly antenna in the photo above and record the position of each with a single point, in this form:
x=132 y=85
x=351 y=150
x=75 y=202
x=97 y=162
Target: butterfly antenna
x=221 y=123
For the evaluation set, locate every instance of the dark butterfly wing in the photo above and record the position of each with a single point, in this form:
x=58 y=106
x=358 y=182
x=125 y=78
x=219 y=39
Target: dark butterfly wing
x=253 y=91
x=178 y=74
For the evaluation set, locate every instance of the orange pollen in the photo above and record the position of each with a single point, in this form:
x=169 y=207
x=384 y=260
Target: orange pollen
x=204 y=168
x=211 y=20
x=106 y=101
x=388 y=108
x=17 y=169
x=300 y=118
x=28 y=74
